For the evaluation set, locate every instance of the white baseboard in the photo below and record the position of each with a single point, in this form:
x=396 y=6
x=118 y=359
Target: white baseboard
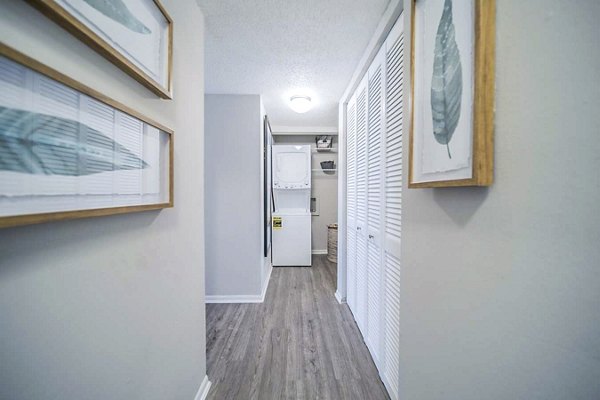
x=234 y=299
x=339 y=297
x=320 y=251
x=265 y=284
x=204 y=388
x=244 y=298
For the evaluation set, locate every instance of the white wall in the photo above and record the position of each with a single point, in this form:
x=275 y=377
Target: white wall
x=500 y=287
x=323 y=186
x=111 y=307
x=235 y=265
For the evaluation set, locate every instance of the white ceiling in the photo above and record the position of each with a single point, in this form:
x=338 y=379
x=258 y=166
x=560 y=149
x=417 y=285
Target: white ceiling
x=277 y=48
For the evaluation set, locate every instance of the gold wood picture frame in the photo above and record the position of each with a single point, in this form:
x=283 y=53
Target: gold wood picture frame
x=68 y=151
x=453 y=50
x=135 y=35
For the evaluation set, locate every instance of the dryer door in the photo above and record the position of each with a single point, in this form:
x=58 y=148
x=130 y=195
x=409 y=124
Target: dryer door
x=291 y=167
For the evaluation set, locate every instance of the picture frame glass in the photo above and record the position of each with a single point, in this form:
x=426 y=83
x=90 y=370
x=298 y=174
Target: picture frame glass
x=444 y=83
x=62 y=150
x=137 y=29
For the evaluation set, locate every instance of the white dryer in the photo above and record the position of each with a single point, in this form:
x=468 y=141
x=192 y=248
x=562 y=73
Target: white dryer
x=291 y=218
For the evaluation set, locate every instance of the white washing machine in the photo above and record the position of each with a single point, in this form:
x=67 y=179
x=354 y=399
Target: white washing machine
x=291 y=218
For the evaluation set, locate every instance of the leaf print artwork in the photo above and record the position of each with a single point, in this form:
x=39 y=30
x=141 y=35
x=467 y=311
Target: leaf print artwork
x=40 y=144
x=446 y=83
x=118 y=12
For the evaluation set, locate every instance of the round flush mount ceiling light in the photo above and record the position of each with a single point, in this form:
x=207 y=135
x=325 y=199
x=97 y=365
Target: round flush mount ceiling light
x=300 y=104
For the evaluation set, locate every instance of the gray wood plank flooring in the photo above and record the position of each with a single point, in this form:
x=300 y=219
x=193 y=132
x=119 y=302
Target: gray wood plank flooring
x=299 y=344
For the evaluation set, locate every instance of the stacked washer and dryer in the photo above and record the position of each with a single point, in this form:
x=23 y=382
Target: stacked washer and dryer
x=291 y=217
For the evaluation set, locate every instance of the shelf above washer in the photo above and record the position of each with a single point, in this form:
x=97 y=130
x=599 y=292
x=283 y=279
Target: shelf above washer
x=324 y=173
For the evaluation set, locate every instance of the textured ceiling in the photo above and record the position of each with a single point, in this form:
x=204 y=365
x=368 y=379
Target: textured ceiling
x=277 y=48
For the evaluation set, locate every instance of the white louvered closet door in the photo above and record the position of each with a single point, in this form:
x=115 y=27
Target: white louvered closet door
x=351 y=204
x=394 y=47
x=374 y=189
x=374 y=203
x=360 y=312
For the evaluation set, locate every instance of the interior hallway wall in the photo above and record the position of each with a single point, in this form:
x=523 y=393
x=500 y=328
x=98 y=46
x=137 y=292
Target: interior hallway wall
x=110 y=307
x=500 y=286
x=235 y=265
x=324 y=187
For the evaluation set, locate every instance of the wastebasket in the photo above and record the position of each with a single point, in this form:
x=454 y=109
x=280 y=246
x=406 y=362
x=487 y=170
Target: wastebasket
x=332 y=231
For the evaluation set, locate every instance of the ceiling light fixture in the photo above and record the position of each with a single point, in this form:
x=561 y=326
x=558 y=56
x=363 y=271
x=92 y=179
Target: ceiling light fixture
x=300 y=104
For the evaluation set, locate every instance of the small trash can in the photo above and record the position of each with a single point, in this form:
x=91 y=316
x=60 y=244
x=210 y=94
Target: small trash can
x=332 y=235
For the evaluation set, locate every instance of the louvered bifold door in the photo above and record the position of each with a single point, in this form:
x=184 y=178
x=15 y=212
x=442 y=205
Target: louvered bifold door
x=394 y=67
x=361 y=208
x=374 y=209
x=351 y=205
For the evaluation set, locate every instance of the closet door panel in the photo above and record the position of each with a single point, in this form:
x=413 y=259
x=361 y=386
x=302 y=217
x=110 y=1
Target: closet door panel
x=361 y=208
x=351 y=205
x=393 y=205
x=374 y=206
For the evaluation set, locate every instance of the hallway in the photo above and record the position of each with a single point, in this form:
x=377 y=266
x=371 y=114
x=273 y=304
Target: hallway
x=299 y=344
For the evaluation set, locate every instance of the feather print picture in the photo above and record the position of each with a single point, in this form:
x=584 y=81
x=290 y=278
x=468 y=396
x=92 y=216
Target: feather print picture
x=63 y=149
x=446 y=83
x=443 y=62
x=135 y=35
x=118 y=11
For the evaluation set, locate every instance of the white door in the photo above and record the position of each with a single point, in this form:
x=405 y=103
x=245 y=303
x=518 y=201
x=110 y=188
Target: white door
x=374 y=189
x=374 y=202
x=360 y=313
x=351 y=205
x=394 y=47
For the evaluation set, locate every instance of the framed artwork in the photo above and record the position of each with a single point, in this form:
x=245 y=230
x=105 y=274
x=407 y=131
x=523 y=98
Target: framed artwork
x=135 y=35
x=67 y=151
x=452 y=93
x=268 y=186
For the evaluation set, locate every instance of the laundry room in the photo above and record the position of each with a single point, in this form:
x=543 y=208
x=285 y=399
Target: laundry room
x=324 y=182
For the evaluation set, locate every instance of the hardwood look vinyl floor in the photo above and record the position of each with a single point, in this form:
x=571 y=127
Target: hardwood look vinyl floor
x=299 y=344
